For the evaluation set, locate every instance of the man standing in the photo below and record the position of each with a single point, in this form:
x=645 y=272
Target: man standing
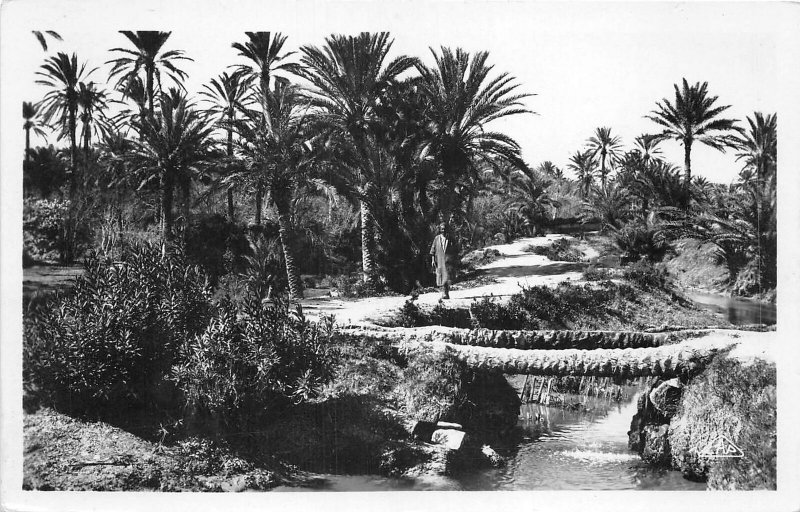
x=439 y=261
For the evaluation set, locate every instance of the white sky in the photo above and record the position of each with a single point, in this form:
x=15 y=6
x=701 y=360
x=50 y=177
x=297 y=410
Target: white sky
x=589 y=64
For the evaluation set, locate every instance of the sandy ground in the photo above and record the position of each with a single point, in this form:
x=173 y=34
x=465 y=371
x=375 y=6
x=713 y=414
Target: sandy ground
x=517 y=269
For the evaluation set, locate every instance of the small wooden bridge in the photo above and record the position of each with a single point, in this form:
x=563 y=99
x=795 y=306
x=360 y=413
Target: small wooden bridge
x=590 y=353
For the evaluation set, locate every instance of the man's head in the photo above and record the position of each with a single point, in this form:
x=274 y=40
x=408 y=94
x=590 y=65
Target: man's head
x=442 y=227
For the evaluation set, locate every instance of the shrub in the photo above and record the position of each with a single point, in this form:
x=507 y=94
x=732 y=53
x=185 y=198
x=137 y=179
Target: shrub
x=54 y=229
x=489 y=314
x=117 y=332
x=563 y=249
x=641 y=240
x=594 y=273
x=432 y=386
x=410 y=314
x=252 y=358
x=646 y=275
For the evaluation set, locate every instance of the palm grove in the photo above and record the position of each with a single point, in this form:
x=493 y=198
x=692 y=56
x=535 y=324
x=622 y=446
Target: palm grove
x=289 y=162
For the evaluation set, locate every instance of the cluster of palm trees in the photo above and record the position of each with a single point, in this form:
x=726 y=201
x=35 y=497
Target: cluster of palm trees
x=404 y=142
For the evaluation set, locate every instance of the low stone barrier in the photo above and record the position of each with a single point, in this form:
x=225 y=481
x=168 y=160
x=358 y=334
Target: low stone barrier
x=522 y=340
x=665 y=361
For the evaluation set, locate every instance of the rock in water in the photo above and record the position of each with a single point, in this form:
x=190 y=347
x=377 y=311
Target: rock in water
x=655 y=445
x=449 y=438
x=666 y=396
x=492 y=456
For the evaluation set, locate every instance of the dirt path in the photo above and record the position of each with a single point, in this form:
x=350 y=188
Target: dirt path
x=517 y=269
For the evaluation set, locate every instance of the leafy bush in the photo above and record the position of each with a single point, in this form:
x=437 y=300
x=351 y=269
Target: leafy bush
x=646 y=275
x=594 y=273
x=432 y=386
x=54 y=229
x=252 y=358
x=563 y=249
x=410 y=314
x=116 y=334
x=641 y=240
x=489 y=314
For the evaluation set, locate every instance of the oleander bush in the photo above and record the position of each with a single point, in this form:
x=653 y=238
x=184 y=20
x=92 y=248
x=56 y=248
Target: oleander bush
x=115 y=335
x=253 y=358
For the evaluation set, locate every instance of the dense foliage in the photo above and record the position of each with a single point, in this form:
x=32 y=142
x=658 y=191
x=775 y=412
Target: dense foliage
x=129 y=332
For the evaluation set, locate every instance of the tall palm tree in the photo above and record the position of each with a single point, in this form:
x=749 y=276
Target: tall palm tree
x=63 y=74
x=758 y=147
x=175 y=145
x=275 y=146
x=227 y=95
x=30 y=115
x=462 y=100
x=263 y=50
x=148 y=59
x=92 y=103
x=693 y=117
x=605 y=149
x=348 y=75
x=584 y=167
x=40 y=36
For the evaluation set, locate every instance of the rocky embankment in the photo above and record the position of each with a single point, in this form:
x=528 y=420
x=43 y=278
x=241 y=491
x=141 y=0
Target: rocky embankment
x=719 y=427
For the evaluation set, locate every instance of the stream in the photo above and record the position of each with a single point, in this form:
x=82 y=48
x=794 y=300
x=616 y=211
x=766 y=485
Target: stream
x=738 y=311
x=560 y=450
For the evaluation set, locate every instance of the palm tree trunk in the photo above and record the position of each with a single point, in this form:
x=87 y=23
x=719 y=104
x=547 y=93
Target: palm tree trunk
x=166 y=206
x=186 y=191
x=231 y=212
x=259 y=204
x=368 y=243
x=150 y=91
x=73 y=149
x=27 y=143
x=687 y=170
x=286 y=234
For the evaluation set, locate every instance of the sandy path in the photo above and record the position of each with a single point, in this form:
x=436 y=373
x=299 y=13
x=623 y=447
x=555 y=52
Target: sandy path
x=517 y=269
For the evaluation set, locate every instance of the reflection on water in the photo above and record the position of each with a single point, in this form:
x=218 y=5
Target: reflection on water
x=560 y=449
x=738 y=311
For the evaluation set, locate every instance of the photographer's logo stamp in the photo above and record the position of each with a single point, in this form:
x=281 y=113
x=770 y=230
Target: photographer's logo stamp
x=721 y=446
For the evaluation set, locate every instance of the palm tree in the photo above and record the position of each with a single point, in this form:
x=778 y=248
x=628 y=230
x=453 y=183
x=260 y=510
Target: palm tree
x=647 y=146
x=29 y=114
x=584 y=167
x=175 y=145
x=92 y=103
x=348 y=75
x=462 y=100
x=63 y=74
x=531 y=196
x=275 y=145
x=604 y=148
x=148 y=59
x=40 y=36
x=550 y=169
x=608 y=204
x=263 y=50
x=758 y=147
x=693 y=117
x=227 y=95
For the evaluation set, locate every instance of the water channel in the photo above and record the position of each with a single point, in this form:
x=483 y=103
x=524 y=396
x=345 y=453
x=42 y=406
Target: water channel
x=560 y=449
x=738 y=311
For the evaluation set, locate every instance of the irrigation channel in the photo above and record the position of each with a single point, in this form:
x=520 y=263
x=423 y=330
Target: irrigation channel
x=558 y=449
x=738 y=311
